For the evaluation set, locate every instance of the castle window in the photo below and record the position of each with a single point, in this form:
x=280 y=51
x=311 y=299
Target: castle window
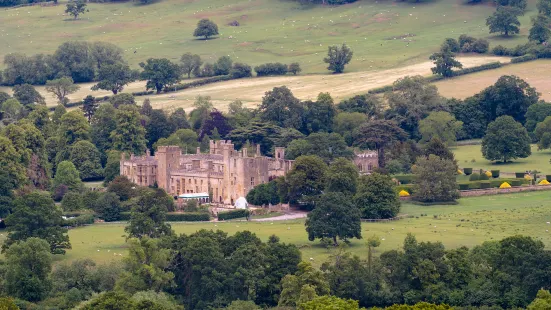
x=235 y=163
x=369 y=167
x=252 y=181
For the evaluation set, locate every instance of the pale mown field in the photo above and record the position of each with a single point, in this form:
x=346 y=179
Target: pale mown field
x=251 y=91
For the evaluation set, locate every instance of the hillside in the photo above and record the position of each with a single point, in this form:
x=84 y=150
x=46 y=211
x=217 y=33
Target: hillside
x=383 y=34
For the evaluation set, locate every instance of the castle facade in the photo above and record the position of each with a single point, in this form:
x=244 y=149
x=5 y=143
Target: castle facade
x=224 y=173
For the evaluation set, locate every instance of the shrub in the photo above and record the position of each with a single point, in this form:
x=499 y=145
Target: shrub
x=59 y=192
x=505 y=185
x=501 y=50
x=495 y=174
x=467 y=171
x=405 y=178
x=465 y=39
x=519 y=175
x=275 y=68
x=548 y=177
x=294 y=68
x=480 y=46
x=188 y=217
x=483 y=177
x=233 y=215
x=240 y=70
x=516 y=183
x=474 y=177
x=485 y=184
x=72 y=201
x=380 y=90
x=463 y=186
x=452 y=44
x=524 y=58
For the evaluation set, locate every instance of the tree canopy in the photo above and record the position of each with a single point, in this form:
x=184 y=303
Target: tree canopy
x=505 y=139
x=338 y=57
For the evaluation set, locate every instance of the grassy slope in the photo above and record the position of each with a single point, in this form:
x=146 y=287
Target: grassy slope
x=271 y=30
x=539 y=160
x=470 y=223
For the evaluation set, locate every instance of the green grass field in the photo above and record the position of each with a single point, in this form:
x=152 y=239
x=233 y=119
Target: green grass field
x=383 y=34
x=471 y=222
x=539 y=160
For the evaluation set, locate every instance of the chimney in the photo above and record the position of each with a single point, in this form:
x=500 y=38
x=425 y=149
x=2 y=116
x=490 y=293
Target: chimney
x=147 y=152
x=244 y=150
x=198 y=150
x=258 y=150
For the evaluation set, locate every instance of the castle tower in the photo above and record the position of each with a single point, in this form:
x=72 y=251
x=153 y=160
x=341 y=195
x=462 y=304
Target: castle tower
x=168 y=158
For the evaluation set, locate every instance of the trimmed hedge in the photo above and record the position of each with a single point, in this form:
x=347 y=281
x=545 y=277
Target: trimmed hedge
x=468 y=171
x=519 y=175
x=200 y=82
x=380 y=90
x=272 y=68
x=548 y=177
x=474 y=177
x=188 y=217
x=405 y=178
x=488 y=66
x=494 y=183
x=84 y=219
x=528 y=57
x=495 y=174
x=232 y=215
x=485 y=184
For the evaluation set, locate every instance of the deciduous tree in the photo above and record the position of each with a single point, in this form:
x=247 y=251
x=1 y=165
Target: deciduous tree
x=190 y=63
x=335 y=216
x=205 y=28
x=444 y=62
x=338 y=57
x=505 y=139
x=114 y=77
x=376 y=198
x=540 y=29
x=129 y=134
x=76 y=8
x=160 y=73
x=29 y=264
x=379 y=134
x=504 y=20
x=441 y=125
x=35 y=215
x=61 y=88
x=435 y=180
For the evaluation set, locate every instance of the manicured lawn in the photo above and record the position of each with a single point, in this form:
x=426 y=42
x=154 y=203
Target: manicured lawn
x=471 y=222
x=539 y=160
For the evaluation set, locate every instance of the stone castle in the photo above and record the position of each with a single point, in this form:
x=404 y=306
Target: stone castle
x=224 y=173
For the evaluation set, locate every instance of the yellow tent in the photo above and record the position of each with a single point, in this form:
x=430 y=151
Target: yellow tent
x=544 y=182
x=403 y=193
x=459 y=171
x=527 y=177
x=488 y=174
x=505 y=185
